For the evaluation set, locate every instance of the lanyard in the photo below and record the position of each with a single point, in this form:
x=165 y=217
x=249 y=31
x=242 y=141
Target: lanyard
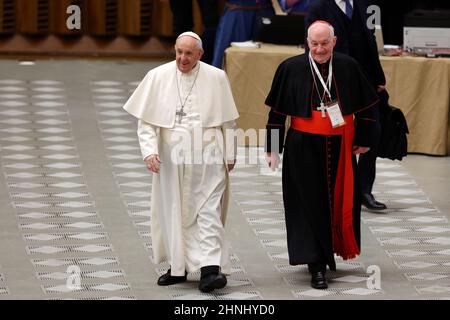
x=327 y=85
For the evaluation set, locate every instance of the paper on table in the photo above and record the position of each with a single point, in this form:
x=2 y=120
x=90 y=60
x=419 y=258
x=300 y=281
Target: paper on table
x=246 y=44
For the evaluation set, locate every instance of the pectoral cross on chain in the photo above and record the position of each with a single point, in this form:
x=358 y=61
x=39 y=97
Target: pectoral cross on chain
x=180 y=114
x=322 y=108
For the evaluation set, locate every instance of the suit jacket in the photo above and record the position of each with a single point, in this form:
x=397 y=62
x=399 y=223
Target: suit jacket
x=329 y=11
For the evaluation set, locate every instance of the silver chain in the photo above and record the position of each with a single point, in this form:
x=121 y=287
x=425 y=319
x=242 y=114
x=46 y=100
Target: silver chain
x=189 y=93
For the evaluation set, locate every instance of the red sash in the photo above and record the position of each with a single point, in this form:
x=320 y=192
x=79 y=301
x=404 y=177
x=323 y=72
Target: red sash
x=344 y=242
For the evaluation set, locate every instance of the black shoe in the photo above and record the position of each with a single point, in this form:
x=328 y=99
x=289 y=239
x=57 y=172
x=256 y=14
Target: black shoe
x=212 y=281
x=167 y=279
x=370 y=203
x=318 y=280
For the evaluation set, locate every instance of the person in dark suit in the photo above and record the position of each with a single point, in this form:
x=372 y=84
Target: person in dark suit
x=239 y=22
x=183 y=21
x=349 y=19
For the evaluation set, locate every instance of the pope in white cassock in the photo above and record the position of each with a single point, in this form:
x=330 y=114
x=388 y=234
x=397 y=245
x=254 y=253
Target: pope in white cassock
x=186 y=129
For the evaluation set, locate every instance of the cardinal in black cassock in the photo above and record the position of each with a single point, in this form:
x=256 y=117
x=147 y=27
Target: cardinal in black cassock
x=322 y=207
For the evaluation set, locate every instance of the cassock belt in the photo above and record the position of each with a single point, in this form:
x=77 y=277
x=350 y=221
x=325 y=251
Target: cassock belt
x=344 y=242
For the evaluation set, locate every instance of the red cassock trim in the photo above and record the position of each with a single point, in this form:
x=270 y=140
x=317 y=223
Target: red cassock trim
x=344 y=242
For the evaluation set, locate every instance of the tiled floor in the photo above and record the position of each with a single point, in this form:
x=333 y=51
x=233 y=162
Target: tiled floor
x=75 y=199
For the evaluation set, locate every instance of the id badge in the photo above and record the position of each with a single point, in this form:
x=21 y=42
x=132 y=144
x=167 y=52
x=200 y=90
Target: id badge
x=334 y=112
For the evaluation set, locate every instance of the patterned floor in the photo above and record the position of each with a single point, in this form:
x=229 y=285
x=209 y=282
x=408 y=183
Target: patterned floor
x=75 y=200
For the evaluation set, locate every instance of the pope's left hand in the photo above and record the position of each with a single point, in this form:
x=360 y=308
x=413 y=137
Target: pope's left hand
x=358 y=150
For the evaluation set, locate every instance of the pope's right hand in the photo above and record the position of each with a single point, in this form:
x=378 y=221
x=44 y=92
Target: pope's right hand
x=152 y=162
x=273 y=160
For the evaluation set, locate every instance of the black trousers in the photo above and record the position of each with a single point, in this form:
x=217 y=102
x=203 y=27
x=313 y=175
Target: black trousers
x=317 y=267
x=367 y=170
x=183 y=21
x=367 y=161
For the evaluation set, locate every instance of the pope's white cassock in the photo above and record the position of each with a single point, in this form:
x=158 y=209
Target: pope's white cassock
x=190 y=192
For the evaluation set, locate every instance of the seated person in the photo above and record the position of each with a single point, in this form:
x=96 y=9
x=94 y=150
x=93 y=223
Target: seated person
x=239 y=22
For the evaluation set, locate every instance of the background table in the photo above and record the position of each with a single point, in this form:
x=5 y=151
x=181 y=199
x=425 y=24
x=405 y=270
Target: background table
x=420 y=87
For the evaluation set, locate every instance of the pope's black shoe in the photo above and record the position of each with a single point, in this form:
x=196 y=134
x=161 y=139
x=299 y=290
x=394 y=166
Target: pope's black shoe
x=167 y=279
x=212 y=281
x=368 y=201
x=318 y=280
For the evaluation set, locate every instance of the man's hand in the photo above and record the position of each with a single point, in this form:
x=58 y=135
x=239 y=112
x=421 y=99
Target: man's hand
x=381 y=88
x=231 y=164
x=358 y=150
x=273 y=160
x=152 y=162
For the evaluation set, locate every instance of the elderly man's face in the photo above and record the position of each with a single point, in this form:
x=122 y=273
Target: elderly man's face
x=321 y=43
x=187 y=53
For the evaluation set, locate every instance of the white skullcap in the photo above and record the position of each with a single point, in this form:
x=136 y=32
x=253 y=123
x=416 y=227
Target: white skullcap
x=193 y=35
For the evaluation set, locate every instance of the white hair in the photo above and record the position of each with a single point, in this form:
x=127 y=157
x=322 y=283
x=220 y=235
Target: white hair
x=323 y=23
x=192 y=35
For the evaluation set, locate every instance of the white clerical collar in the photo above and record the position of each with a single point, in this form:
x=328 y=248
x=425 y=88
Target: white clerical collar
x=323 y=63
